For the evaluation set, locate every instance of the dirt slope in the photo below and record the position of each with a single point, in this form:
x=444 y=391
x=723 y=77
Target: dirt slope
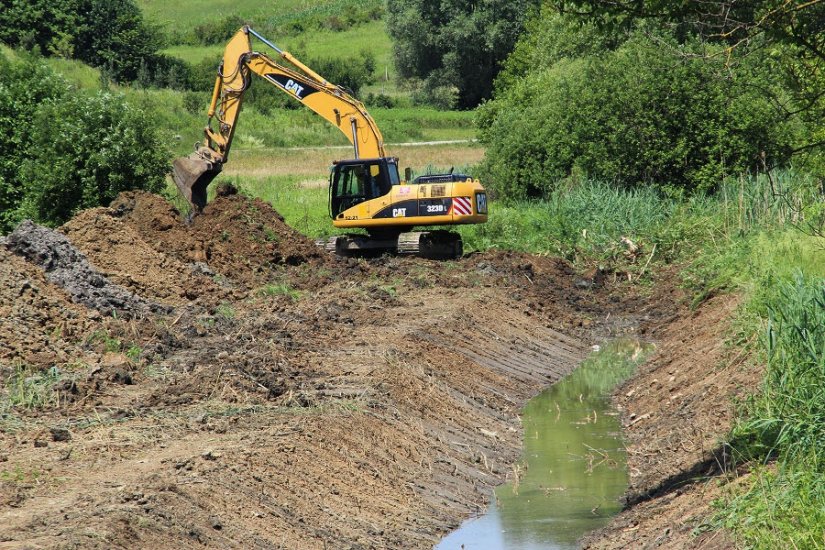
x=675 y=412
x=281 y=398
x=39 y=324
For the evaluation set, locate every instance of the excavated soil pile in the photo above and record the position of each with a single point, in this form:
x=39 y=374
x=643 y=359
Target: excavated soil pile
x=68 y=268
x=121 y=254
x=240 y=239
x=39 y=324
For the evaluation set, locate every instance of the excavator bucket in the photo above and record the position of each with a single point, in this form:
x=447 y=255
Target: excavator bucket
x=192 y=176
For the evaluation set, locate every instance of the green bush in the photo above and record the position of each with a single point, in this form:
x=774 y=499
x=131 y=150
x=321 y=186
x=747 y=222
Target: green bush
x=67 y=151
x=86 y=150
x=645 y=112
x=218 y=32
x=24 y=86
x=110 y=34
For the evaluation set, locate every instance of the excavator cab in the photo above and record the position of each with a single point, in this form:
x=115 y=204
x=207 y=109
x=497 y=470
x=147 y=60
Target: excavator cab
x=352 y=182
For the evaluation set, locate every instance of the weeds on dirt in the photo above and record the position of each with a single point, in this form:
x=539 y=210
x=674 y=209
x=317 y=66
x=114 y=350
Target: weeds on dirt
x=112 y=344
x=157 y=372
x=280 y=289
x=226 y=311
x=30 y=389
x=20 y=475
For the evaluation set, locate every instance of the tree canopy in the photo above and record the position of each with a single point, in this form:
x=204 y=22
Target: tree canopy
x=634 y=104
x=792 y=32
x=456 y=44
x=65 y=150
x=110 y=34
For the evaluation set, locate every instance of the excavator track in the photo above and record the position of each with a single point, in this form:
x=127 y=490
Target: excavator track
x=436 y=245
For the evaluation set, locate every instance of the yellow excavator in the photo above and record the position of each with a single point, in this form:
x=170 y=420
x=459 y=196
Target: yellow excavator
x=365 y=192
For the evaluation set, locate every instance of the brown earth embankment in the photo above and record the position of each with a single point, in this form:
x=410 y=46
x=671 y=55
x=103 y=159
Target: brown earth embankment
x=271 y=396
x=676 y=412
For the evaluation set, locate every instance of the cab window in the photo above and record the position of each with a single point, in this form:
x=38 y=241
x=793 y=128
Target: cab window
x=355 y=183
x=392 y=172
x=347 y=187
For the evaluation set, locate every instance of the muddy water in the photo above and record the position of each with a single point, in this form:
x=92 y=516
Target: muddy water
x=573 y=471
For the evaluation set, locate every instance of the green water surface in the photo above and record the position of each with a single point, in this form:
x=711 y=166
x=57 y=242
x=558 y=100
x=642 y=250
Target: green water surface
x=574 y=469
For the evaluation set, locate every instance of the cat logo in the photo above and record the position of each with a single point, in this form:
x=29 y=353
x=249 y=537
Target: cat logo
x=399 y=212
x=299 y=90
x=294 y=87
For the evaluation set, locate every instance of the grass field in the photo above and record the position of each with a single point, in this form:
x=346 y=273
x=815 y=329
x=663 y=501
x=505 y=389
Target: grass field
x=371 y=37
x=182 y=115
x=196 y=12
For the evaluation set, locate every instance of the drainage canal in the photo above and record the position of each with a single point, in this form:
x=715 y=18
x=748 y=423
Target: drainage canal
x=573 y=470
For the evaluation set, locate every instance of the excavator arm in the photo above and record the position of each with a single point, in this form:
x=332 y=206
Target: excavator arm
x=194 y=173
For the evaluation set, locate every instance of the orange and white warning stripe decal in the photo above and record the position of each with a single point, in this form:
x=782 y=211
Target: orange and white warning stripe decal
x=462 y=206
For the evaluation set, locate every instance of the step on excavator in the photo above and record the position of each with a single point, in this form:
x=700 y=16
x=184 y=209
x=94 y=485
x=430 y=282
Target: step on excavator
x=365 y=192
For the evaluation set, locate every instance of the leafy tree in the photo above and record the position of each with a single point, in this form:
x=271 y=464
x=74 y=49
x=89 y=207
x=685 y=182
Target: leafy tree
x=793 y=31
x=86 y=150
x=113 y=33
x=110 y=34
x=24 y=86
x=456 y=44
x=636 y=114
x=37 y=23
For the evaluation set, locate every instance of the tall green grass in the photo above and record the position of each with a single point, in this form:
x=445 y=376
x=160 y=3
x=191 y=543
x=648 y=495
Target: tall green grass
x=755 y=238
x=371 y=37
x=174 y=15
x=783 y=427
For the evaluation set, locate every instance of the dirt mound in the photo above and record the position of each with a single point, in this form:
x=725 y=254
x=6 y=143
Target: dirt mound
x=68 y=268
x=39 y=325
x=241 y=239
x=122 y=255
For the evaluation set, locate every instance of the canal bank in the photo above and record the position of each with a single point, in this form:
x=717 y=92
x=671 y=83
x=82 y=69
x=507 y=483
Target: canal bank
x=675 y=413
